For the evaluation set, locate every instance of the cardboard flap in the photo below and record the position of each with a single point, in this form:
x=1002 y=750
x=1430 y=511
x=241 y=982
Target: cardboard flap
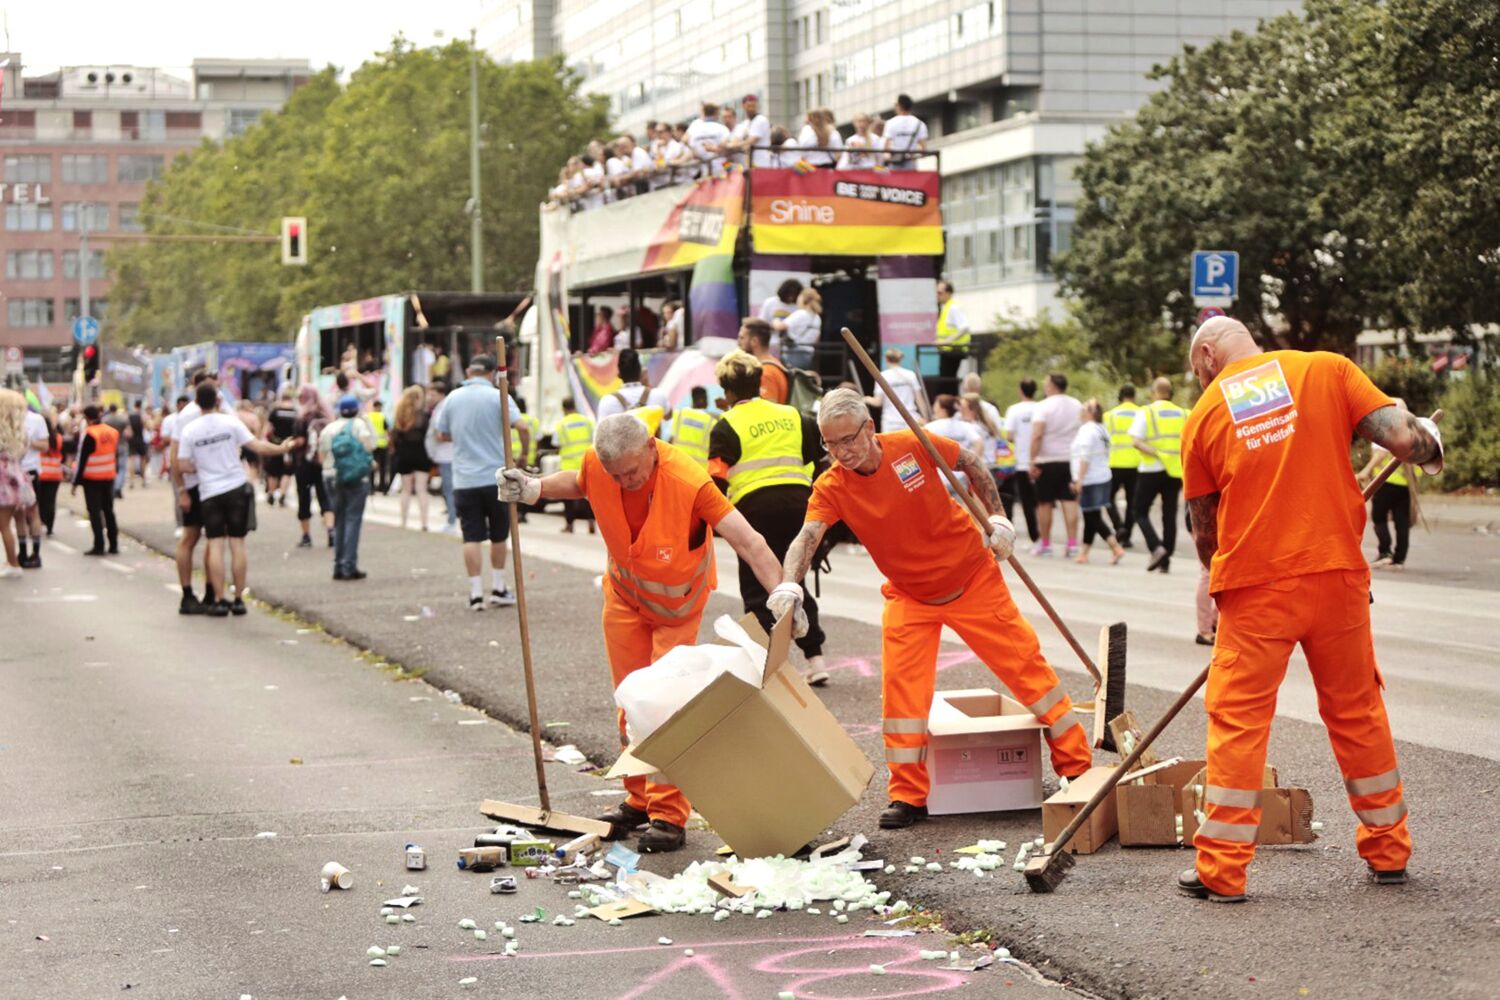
x=977 y=710
x=630 y=766
x=780 y=644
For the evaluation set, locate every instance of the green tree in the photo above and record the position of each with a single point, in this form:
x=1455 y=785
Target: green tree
x=380 y=168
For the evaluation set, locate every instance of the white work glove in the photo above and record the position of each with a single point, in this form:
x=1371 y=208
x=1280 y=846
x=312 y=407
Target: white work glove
x=1435 y=466
x=787 y=599
x=1002 y=537
x=518 y=487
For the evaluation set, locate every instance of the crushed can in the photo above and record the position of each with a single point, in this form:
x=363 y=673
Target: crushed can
x=530 y=852
x=416 y=858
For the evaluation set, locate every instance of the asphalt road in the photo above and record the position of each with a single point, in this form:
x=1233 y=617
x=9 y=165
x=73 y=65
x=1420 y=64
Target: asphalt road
x=1115 y=927
x=146 y=760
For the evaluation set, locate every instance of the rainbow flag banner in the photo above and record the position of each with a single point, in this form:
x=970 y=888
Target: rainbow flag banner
x=705 y=221
x=852 y=212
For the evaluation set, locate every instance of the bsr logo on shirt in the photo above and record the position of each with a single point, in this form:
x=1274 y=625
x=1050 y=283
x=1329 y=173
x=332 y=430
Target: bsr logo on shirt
x=1256 y=392
x=909 y=472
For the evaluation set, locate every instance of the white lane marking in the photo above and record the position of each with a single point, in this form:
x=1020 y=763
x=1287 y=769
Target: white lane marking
x=61 y=547
x=118 y=567
x=58 y=599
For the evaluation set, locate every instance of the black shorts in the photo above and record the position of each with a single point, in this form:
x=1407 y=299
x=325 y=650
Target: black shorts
x=1055 y=483
x=193 y=516
x=228 y=514
x=275 y=466
x=481 y=515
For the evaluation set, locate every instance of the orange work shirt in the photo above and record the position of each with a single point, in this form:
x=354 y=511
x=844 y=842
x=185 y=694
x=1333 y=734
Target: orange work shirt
x=920 y=538
x=1271 y=436
x=709 y=506
x=773 y=384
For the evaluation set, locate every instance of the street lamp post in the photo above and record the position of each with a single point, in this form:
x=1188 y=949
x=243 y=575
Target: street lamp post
x=476 y=214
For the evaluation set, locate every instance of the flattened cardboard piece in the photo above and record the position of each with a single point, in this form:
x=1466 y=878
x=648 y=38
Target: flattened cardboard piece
x=724 y=885
x=621 y=909
x=1060 y=809
x=529 y=816
x=1125 y=723
x=768 y=768
x=1148 y=802
x=1286 y=814
x=984 y=753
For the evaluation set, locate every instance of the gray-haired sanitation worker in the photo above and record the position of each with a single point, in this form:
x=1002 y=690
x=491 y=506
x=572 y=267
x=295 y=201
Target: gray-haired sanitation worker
x=657 y=510
x=939 y=571
x=1278 y=517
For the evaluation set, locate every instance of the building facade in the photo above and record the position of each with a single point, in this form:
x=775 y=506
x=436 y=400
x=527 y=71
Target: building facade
x=77 y=148
x=1012 y=91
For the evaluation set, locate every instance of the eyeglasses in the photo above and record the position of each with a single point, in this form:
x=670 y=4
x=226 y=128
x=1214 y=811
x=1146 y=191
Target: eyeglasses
x=847 y=440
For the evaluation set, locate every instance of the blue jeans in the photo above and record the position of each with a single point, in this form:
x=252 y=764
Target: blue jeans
x=122 y=467
x=797 y=357
x=348 y=518
x=445 y=470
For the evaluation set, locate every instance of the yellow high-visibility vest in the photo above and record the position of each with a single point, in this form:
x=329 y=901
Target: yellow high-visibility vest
x=1122 y=453
x=575 y=435
x=534 y=428
x=770 y=447
x=949 y=336
x=690 y=431
x=1164 y=423
x=377 y=423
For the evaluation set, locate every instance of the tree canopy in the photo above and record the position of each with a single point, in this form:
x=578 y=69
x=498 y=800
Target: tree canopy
x=380 y=168
x=1350 y=154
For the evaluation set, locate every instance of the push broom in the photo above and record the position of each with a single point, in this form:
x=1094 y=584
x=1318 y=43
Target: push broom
x=1109 y=682
x=1045 y=872
x=543 y=818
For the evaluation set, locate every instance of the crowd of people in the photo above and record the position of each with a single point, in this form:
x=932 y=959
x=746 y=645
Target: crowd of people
x=723 y=139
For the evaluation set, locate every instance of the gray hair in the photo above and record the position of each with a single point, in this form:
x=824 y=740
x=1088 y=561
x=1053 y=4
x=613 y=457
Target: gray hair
x=842 y=402
x=619 y=435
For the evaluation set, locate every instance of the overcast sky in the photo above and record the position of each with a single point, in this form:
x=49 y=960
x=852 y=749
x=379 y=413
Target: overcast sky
x=171 y=33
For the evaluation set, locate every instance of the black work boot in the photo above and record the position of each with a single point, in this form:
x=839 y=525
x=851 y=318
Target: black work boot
x=1189 y=884
x=899 y=815
x=661 y=837
x=1396 y=877
x=623 y=819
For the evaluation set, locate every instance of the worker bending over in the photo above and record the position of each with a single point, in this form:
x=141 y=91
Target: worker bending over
x=657 y=510
x=1277 y=517
x=939 y=571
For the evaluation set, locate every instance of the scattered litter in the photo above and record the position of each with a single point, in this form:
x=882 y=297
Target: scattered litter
x=933 y=866
x=378 y=962
x=505 y=884
x=912 y=869
x=336 y=876
x=472 y=722
x=295 y=760
x=932 y=956
x=562 y=921
x=509 y=933
x=842 y=918
x=688 y=952
x=393 y=950
x=407 y=918
x=411 y=618
x=393 y=919
x=762 y=914
x=386 y=911
x=266 y=835
x=1002 y=952
x=569 y=755
x=480 y=934
x=1317 y=826
x=375 y=951
x=468 y=981
x=877 y=970
x=890 y=869
x=416 y=858
x=408 y=890
x=892 y=933
x=721 y=915
x=556 y=725
x=428 y=612
x=453 y=697
x=663 y=940
x=466 y=924
x=918 y=861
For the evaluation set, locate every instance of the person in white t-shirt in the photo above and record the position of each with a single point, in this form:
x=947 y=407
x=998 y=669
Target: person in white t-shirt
x=37 y=438
x=907 y=387
x=591 y=190
x=1018 y=429
x=209 y=448
x=704 y=137
x=804 y=328
x=672 y=318
x=1089 y=464
x=948 y=424
x=819 y=141
x=637 y=161
x=1054 y=425
x=617 y=177
x=905 y=136
x=784 y=149
x=185 y=493
x=752 y=137
x=858 y=147
x=776 y=308
x=633 y=393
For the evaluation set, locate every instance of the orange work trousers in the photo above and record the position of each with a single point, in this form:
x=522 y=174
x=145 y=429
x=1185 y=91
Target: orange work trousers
x=1329 y=614
x=633 y=643
x=986 y=618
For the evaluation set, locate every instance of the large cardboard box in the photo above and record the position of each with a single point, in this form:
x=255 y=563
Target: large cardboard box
x=1148 y=802
x=1285 y=813
x=769 y=768
x=984 y=753
x=1060 y=809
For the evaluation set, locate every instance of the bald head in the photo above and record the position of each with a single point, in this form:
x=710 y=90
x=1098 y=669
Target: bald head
x=1221 y=341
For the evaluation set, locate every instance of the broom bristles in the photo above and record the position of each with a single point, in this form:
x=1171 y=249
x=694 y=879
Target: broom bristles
x=1111 y=696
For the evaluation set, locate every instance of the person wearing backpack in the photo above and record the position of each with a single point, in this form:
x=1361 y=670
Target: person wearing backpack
x=345 y=447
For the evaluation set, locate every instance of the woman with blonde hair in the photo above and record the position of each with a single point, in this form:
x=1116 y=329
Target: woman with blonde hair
x=16 y=494
x=408 y=439
x=804 y=327
x=857 y=148
x=1089 y=456
x=819 y=140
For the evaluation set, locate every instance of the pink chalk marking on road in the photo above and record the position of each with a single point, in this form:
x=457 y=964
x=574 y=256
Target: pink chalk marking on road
x=590 y=952
x=705 y=965
x=869 y=666
x=911 y=956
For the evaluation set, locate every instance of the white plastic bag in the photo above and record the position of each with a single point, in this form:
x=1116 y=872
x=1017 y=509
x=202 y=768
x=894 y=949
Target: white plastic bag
x=652 y=695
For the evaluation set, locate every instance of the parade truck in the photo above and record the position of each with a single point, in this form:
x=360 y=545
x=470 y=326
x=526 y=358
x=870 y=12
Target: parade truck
x=391 y=341
x=870 y=241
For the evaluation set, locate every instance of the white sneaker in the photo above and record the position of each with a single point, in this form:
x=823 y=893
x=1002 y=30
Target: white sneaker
x=10 y=573
x=502 y=599
x=476 y=604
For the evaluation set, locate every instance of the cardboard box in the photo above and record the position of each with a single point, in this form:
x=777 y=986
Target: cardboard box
x=769 y=768
x=1060 y=809
x=1285 y=813
x=984 y=753
x=1149 y=802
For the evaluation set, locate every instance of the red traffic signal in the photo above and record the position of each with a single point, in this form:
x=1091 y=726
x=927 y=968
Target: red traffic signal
x=293 y=240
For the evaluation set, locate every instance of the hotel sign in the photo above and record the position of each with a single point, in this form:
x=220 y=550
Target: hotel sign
x=23 y=194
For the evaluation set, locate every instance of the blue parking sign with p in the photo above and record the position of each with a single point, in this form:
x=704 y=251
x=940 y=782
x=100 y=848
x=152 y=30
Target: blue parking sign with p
x=1216 y=274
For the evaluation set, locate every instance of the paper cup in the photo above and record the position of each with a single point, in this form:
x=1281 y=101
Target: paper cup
x=336 y=876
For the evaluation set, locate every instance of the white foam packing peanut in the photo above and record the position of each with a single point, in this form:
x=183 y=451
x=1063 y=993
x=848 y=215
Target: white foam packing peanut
x=978 y=862
x=779 y=882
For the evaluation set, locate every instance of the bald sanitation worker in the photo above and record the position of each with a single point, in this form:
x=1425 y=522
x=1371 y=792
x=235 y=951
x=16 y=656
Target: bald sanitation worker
x=939 y=571
x=1277 y=517
x=658 y=510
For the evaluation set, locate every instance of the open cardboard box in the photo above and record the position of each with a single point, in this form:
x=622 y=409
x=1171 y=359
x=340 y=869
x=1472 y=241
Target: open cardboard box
x=769 y=768
x=1149 y=801
x=1059 y=810
x=1285 y=813
x=984 y=753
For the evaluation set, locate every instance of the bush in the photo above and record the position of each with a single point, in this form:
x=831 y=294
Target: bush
x=1413 y=380
x=1032 y=348
x=1471 y=412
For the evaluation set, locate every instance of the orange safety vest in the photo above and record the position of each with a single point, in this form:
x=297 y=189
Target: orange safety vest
x=101 y=464
x=52 y=469
x=657 y=573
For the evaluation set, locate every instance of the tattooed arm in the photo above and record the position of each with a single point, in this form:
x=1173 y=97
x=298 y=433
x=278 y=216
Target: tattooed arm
x=980 y=481
x=1399 y=433
x=1205 y=514
x=799 y=555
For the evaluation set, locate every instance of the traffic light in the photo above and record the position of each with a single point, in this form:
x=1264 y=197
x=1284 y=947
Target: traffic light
x=68 y=358
x=293 y=240
x=90 y=362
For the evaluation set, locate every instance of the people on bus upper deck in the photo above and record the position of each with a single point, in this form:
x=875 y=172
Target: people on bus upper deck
x=905 y=136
